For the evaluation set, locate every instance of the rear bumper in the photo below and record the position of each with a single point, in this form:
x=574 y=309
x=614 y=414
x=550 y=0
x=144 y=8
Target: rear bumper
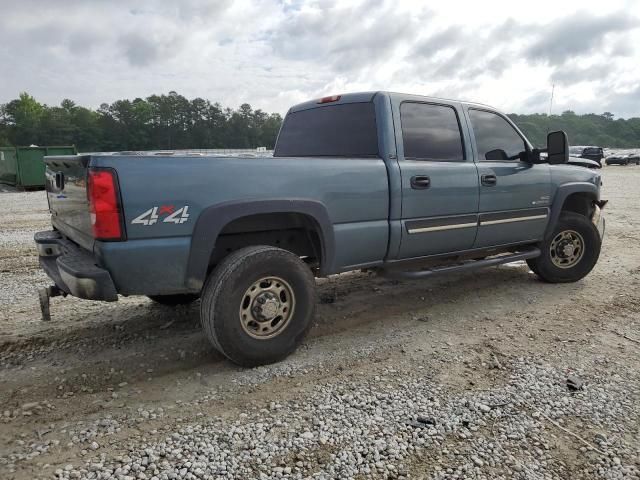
x=73 y=269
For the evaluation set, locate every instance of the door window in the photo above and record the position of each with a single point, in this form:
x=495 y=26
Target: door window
x=496 y=139
x=431 y=132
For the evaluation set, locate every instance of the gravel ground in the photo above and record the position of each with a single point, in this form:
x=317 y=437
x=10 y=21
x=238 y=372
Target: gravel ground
x=463 y=376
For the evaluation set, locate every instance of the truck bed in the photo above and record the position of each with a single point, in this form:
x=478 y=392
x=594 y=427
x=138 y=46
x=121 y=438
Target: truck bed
x=354 y=192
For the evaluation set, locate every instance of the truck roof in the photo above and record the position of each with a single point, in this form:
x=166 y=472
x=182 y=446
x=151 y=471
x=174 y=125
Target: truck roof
x=357 y=97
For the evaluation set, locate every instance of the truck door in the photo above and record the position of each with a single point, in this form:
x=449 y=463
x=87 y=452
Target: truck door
x=514 y=194
x=439 y=180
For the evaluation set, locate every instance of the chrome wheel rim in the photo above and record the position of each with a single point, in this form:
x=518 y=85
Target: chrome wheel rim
x=567 y=249
x=267 y=307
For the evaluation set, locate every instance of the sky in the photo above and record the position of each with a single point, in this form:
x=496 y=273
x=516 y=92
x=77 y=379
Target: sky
x=276 y=53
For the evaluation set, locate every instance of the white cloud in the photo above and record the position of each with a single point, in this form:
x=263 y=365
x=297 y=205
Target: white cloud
x=273 y=53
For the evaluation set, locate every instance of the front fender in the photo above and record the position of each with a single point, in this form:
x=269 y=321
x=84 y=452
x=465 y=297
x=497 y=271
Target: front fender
x=213 y=219
x=562 y=193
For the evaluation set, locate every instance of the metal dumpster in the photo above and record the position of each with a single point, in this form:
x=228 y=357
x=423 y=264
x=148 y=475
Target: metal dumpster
x=24 y=166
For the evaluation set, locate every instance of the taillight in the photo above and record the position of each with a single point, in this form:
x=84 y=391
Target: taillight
x=332 y=98
x=104 y=205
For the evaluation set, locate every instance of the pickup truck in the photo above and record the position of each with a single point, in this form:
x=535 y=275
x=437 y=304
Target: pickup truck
x=407 y=186
x=592 y=153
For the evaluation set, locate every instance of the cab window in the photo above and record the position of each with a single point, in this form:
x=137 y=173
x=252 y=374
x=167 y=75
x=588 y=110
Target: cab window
x=496 y=139
x=431 y=132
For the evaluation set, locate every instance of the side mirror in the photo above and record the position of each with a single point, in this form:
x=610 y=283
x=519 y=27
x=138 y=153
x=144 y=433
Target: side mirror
x=557 y=147
x=496 y=154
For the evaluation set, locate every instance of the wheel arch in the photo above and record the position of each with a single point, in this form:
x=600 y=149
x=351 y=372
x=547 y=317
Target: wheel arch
x=213 y=220
x=575 y=197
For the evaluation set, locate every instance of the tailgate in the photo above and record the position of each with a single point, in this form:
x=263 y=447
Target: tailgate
x=66 y=184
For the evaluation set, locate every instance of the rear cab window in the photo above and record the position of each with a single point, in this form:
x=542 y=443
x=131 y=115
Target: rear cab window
x=342 y=130
x=431 y=132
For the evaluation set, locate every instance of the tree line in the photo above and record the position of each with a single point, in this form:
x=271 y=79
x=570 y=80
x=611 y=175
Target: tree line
x=590 y=129
x=174 y=122
x=157 y=122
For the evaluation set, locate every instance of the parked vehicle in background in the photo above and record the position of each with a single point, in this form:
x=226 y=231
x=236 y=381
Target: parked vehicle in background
x=592 y=153
x=403 y=185
x=623 y=159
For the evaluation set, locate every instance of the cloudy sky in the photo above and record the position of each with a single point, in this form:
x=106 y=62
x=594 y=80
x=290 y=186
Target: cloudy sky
x=273 y=53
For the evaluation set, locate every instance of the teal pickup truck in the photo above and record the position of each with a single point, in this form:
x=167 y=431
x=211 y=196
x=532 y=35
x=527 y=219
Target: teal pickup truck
x=405 y=185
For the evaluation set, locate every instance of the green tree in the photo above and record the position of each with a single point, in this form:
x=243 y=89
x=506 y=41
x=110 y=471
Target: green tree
x=23 y=117
x=589 y=129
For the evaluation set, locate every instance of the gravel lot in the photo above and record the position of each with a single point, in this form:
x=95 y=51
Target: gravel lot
x=462 y=376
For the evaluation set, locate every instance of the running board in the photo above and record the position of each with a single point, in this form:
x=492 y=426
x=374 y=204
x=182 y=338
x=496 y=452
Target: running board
x=461 y=267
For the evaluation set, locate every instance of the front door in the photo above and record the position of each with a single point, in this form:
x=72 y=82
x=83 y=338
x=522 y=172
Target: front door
x=514 y=194
x=439 y=181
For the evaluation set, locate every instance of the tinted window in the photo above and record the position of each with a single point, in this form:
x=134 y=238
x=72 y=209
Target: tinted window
x=592 y=151
x=496 y=139
x=430 y=132
x=347 y=130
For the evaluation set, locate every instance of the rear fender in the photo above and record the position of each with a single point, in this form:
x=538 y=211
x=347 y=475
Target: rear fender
x=213 y=219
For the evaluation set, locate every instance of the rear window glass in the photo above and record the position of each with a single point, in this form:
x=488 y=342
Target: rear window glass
x=431 y=132
x=592 y=151
x=347 y=130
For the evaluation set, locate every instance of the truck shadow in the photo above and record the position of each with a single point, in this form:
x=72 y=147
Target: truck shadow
x=132 y=342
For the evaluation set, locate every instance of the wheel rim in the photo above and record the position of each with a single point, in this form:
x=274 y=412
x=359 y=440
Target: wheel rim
x=267 y=307
x=567 y=249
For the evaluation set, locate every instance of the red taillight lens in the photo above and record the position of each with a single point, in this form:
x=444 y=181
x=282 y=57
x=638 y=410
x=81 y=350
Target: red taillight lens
x=104 y=205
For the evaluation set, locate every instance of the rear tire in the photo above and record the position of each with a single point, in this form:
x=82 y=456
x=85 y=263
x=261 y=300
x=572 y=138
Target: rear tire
x=570 y=252
x=173 y=300
x=258 y=304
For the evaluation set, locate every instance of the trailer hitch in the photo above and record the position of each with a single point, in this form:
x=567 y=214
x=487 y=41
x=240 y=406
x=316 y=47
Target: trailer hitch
x=44 y=294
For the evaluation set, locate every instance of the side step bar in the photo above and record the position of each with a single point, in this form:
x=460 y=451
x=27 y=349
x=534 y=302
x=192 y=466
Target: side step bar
x=461 y=267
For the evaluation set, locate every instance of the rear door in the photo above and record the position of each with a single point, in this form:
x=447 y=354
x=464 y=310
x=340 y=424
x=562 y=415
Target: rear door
x=514 y=194
x=439 y=180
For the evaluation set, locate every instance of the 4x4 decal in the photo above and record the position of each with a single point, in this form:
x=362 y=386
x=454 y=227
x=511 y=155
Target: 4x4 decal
x=152 y=216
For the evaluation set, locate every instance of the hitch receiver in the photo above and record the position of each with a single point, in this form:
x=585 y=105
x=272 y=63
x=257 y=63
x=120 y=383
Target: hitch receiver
x=44 y=294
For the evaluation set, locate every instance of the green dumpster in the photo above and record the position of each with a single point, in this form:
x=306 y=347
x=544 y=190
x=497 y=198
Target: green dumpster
x=24 y=166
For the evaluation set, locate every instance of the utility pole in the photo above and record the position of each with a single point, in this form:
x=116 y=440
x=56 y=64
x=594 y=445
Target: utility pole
x=553 y=87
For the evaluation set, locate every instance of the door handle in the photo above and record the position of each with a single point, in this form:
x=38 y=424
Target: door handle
x=488 y=180
x=420 y=182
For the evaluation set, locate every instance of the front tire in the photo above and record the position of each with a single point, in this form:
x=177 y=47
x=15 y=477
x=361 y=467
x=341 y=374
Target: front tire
x=258 y=304
x=570 y=252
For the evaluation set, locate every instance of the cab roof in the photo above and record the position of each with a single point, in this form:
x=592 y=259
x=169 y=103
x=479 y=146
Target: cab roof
x=359 y=97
